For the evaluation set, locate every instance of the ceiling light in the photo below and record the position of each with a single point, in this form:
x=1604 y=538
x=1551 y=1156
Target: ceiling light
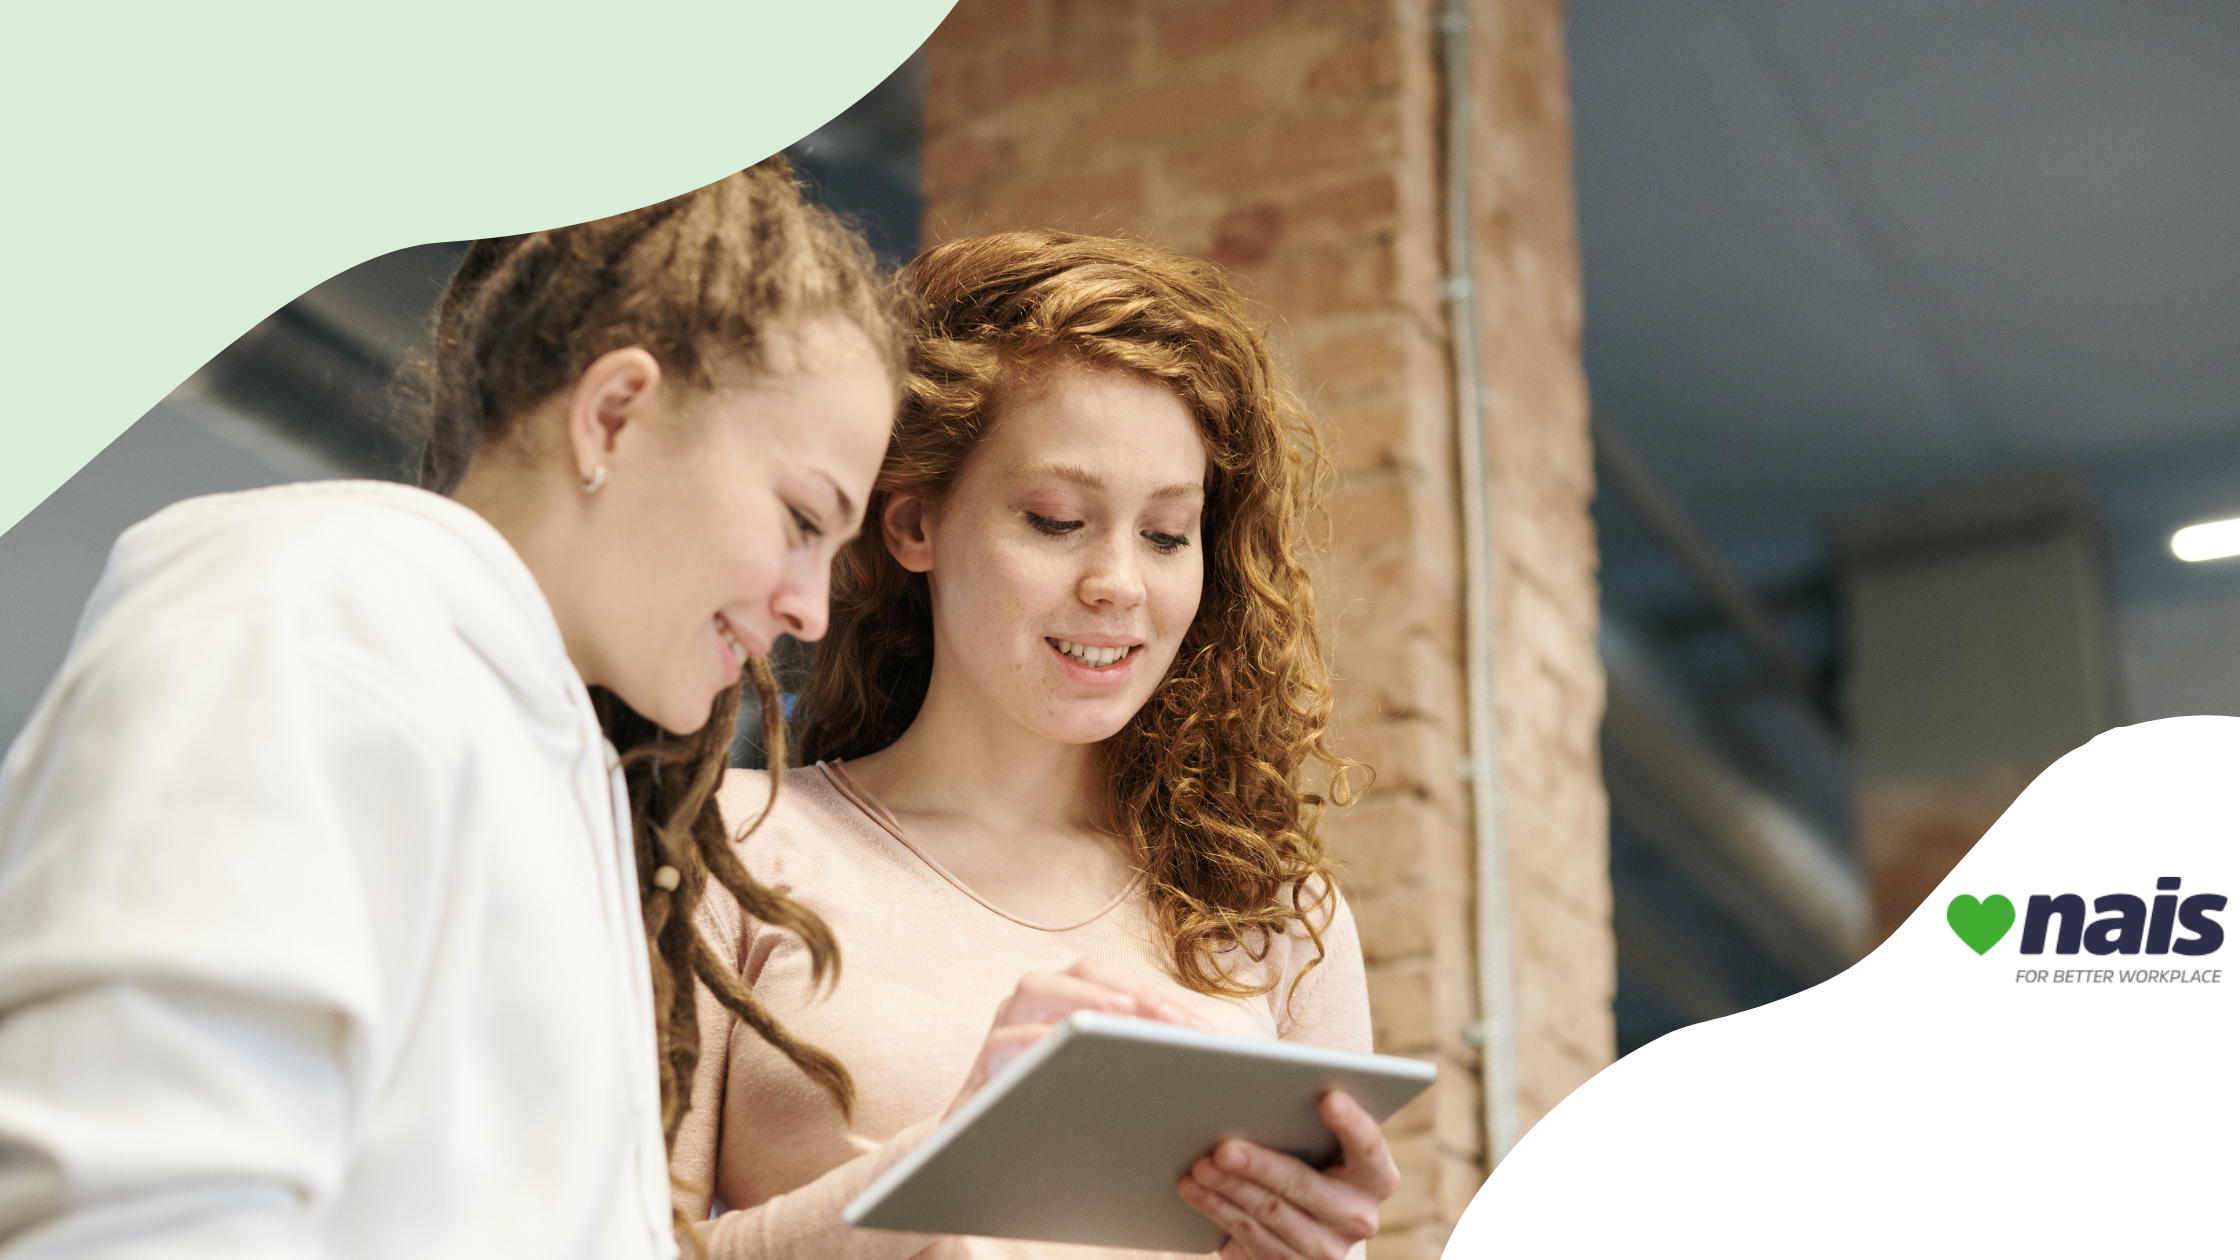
x=2212 y=540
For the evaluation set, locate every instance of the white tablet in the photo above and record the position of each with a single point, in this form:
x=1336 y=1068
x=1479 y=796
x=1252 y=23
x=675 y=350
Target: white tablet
x=1082 y=1138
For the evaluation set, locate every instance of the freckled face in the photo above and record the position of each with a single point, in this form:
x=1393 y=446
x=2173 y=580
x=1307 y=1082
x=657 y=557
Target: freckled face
x=1066 y=561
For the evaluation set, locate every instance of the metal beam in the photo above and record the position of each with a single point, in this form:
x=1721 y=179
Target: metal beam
x=1627 y=475
x=1762 y=864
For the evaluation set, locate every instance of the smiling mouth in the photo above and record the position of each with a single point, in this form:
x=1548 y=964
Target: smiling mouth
x=739 y=651
x=1093 y=657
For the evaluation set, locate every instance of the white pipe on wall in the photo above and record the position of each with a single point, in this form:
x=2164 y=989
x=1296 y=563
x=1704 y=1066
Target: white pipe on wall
x=1497 y=1027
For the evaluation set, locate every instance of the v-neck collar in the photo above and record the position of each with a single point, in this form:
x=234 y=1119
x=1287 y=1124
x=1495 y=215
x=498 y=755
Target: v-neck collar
x=835 y=773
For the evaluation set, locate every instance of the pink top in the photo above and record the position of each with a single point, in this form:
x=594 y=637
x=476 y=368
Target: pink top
x=925 y=965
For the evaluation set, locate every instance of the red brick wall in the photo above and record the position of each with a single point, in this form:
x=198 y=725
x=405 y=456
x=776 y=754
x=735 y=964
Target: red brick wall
x=1298 y=143
x=1543 y=476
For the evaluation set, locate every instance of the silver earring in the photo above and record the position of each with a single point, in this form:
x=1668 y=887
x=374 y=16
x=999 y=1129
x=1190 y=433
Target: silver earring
x=597 y=479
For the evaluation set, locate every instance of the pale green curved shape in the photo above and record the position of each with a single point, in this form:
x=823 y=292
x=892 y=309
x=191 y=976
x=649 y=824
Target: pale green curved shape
x=175 y=173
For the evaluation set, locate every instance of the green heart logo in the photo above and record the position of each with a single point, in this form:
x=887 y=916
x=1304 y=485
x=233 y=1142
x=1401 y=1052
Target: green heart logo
x=1980 y=923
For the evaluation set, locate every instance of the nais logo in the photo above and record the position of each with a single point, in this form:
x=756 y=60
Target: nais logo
x=2126 y=925
x=1980 y=923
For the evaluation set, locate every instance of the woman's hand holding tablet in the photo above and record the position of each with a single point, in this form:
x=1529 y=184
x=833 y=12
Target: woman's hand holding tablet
x=1272 y=1205
x=1043 y=998
x=1277 y=1208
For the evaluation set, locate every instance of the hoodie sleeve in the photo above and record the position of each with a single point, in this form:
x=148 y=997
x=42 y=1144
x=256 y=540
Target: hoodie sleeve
x=222 y=852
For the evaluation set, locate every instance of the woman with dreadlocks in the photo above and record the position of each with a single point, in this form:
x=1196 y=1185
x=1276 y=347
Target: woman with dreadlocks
x=349 y=866
x=1061 y=727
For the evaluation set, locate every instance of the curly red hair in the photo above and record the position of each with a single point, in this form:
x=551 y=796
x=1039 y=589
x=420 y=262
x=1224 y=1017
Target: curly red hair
x=1205 y=780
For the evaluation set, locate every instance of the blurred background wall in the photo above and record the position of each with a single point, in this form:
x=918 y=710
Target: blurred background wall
x=1908 y=332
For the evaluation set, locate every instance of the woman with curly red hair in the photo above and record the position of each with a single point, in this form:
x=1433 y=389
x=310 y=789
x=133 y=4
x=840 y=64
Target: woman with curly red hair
x=1060 y=726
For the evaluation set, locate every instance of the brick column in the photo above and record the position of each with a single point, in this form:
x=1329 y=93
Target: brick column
x=1298 y=143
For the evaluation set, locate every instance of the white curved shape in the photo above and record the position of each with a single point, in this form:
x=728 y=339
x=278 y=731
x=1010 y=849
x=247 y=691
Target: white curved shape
x=1925 y=1102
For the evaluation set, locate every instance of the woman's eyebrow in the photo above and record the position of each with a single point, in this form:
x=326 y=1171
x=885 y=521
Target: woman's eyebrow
x=845 y=505
x=1083 y=477
x=1061 y=472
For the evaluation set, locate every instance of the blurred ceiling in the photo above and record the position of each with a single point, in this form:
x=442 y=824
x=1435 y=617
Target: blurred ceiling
x=1842 y=253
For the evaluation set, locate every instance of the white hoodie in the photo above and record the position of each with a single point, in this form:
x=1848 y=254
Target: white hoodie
x=319 y=927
